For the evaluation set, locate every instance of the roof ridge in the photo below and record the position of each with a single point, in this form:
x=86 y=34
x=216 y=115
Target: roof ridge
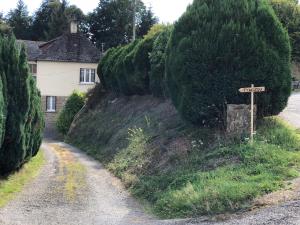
x=65 y=48
x=51 y=41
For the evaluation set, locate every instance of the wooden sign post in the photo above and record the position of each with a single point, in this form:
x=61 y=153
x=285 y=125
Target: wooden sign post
x=252 y=90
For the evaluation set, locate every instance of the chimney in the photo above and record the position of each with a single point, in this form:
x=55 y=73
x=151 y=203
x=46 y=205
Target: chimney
x=74 y=27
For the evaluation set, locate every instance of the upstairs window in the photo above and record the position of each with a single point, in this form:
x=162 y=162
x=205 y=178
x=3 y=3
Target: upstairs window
x=32 y=69
x=87 y=76
x=51 y=104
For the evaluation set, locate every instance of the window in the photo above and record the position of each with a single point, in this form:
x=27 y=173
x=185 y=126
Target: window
x=87 y=76
x=32 y=69
x=50 y=103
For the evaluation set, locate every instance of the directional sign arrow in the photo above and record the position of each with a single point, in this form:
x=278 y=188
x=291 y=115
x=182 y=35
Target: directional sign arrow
x=252 y=89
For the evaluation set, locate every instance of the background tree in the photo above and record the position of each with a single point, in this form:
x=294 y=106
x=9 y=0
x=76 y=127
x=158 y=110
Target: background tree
x=218 y=47
x=20 y=21
x=52 y=19
x=288 y=11
x=111 y=22
x=4 y=27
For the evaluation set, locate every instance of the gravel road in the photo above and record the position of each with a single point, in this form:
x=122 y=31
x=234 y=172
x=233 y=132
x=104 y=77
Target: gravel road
x=292 y=112
x=74 y=189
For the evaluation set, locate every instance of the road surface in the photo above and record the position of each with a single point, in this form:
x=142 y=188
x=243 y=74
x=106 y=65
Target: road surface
x=292 y=112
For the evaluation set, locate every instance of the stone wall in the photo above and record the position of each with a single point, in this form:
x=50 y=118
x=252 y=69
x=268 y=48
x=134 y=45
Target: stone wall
x=239 y=120
x=50 y=117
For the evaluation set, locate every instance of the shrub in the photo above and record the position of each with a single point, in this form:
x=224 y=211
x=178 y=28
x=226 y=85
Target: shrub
x=158 y=61
x=218 y=47
x=21 y=121
x=65 y=118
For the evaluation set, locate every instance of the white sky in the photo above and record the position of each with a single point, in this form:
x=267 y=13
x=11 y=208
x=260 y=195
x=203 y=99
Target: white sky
x=166 y=10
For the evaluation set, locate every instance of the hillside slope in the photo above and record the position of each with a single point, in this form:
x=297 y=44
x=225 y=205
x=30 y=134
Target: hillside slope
x=182 y=170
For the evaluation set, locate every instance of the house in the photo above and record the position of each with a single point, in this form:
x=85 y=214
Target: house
x=60 y=66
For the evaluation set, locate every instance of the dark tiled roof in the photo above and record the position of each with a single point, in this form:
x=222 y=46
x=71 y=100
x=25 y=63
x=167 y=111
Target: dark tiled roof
x=32 y=47
x=66 y=48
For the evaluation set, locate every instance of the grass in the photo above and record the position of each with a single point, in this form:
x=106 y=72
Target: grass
x=14 y=183
x=194 y=188
x=185 y=171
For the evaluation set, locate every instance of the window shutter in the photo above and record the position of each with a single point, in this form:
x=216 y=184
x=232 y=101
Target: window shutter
x=54 y=98
x=81 y=76
x=34 y=68
x=47 y=100
x=87 y=75
x=93 y=75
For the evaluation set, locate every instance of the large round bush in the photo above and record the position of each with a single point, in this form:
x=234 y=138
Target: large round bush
x=218 y=47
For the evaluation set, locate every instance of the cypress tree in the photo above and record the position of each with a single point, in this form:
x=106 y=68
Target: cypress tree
x=2 y=95
x=17 y=108
x=35 y=121
x=24 y=120
x=218 y=47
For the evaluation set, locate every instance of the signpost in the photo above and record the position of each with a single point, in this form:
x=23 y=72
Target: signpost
x=252 y=90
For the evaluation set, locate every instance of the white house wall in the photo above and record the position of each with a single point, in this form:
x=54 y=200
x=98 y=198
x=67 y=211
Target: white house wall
x=61 y=78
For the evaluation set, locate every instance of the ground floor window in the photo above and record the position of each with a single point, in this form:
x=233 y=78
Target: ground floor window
x=87 y=76
x=50 y=103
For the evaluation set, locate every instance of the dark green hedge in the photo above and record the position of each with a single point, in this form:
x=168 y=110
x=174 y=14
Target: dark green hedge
x=216 y=48
x=158 y=61
x=21 y=115
x=127 y=69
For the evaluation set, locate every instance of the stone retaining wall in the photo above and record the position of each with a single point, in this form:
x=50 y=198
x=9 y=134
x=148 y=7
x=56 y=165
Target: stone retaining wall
x=239 y=120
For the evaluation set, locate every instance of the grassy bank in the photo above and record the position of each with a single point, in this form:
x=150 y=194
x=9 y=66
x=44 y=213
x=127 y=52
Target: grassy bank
x=14 y=183
x=181 y=170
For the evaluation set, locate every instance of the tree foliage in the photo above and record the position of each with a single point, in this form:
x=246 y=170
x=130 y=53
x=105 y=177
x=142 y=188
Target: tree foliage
x=4 y=27
x=52 y=19
x=73 y=105
x=288 y=11
x=21 y=120
x=111 y=23
x=20 y=21
x=218 y=47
